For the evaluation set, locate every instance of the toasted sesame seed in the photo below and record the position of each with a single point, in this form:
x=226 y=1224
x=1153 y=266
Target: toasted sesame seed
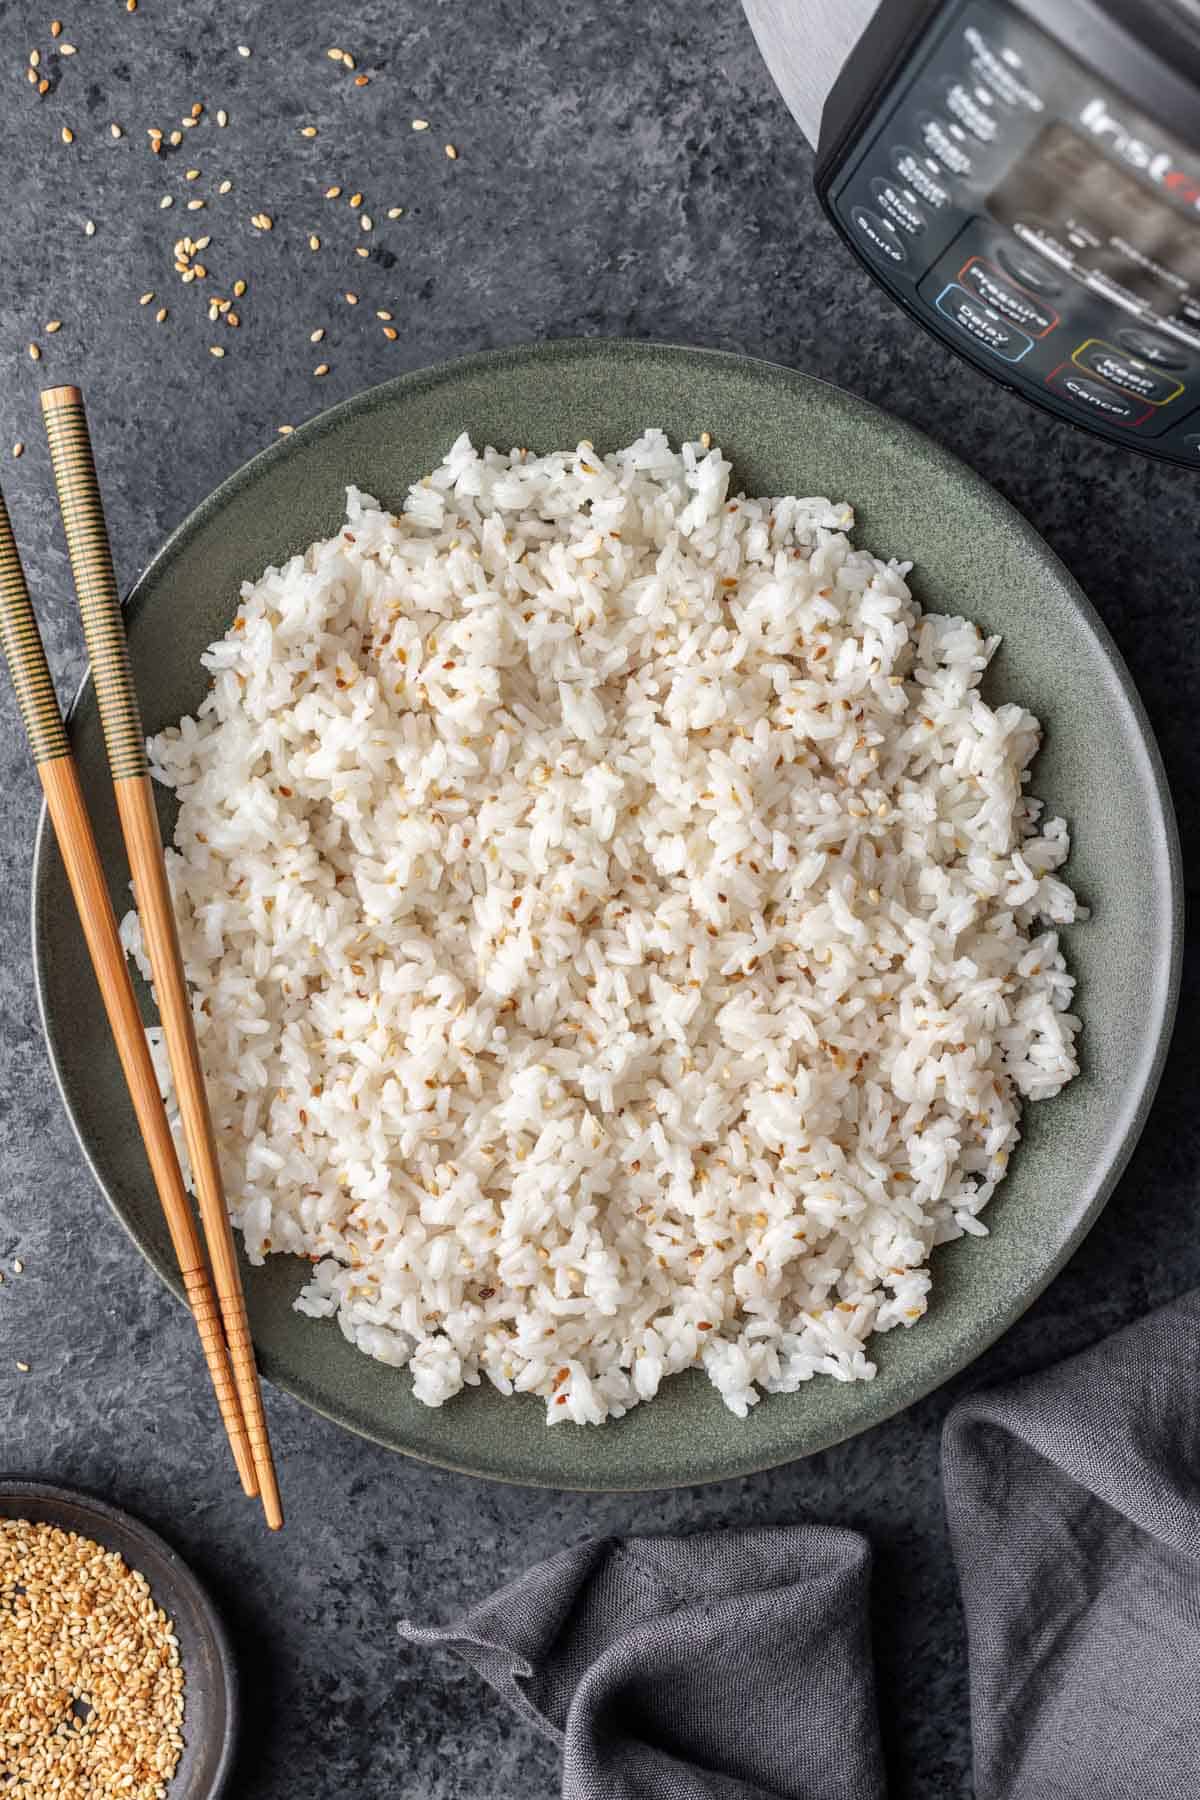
x=356 y=199
x=420 y=124
x=52 y=326
x=43 y=86
x=308 y=131
x=115 y=130
x=390 y=332
x=200 y=272
x=131 y=5
x=383 y=315
x=222 y=117
x=395 y=212
x=314 y=337
x=321 y=369
x=352 y=299
x=160 y=315
x=18 y=448
x=153 y=133
x=332 y=193
x=451 y=152
x=67 y=135
x=55 y=28
x=239 y=288
x=35 y=351
x=314 y=242
x=232 y=320
x=361 y=80
x=215 y=350
x=146 y=297
x=197 y=108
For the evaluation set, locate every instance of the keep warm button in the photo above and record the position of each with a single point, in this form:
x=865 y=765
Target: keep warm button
x=982 y=324
x=1126 y=372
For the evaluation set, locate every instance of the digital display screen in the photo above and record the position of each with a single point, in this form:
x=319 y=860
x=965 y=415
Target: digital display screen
x=1065 y=193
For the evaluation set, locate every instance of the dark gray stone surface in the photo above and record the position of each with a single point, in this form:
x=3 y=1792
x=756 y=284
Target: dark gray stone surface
x=622 y=170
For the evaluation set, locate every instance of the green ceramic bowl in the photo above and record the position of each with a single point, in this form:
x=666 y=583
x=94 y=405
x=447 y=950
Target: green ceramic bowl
x=786 y=433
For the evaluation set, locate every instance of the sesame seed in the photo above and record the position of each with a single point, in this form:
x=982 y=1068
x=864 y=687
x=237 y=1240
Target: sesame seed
x=335 y=55
x=146 y=298
x=89 y=228
x=18 y=448
x=332 y=193
x=66 y=50
x=383 y=315
x=352 y=299
x=361 y=80
x=348 y=61
x=285 y=430
x=366 y=222
x=35 y=59
x=390 y=332
x=167 y=200
x=52 y=326
x=18 y=1266
x=243 y=49
x=23 y=1367
x=451 y=152
x=55 y=28
x=232 y=320
x=308 y=131
x=43 y=86
x=263 y=220
x=222 y=117
x=35 y=351
x=131 y=5
x=224 y=187
x=191 y=175
x=176 y=138
x=321 y=369
x=420 y=124
x=361 y=250
x=115 y=130
x=67 y=135
x=314 y=337
x=160 y=315
x=31 y=76
x=215 y=350
x=314 y=242
x=395 y=212
x=202 y=243
x=200 y=272
x=239 y=288
x=356 y=199
x=197 y=108
x=195 y=205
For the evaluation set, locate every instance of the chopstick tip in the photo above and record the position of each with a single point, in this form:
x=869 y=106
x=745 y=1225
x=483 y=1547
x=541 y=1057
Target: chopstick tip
x=53 y=398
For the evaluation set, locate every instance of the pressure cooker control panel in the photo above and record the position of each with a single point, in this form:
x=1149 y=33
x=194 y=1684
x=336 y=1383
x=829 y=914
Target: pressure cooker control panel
x=1030 y=217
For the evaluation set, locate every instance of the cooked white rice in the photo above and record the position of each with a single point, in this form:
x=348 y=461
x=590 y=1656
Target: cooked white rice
x=619 y=933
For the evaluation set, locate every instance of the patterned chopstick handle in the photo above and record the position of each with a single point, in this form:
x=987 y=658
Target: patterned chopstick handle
x=91 y=564
x=26 y=656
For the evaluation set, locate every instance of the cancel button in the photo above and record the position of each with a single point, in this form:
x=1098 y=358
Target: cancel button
x=1126 y=372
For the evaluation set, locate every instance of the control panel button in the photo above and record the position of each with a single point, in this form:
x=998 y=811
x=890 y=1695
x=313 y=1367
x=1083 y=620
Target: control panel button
x=945 y=142
x=881 y=236
x=898 y=205
x=1028 y=270
x=920 y=173
x=982 y=324
x=1191 y=444
x=962 y=103
x=1159 y=351
x=1126 y=373
x=1096 y=397
x=1000 y=72
x=1011 y=302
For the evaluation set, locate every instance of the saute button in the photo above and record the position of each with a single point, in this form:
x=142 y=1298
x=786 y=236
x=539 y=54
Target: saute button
x=897 y=204
x=982 y=324
x=882 y=237
x=1028 y=270
x=918 y=173
x=1096 y=396
x=1156 y=350
x=1125 y=372
x=1019 y=308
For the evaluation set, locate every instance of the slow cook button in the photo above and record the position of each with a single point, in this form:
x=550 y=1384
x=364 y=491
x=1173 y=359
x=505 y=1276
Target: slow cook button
x=881 y=237
x=918 y=173
x=980 y=323
x=1018 y=308
x=1099 y=358
x=1096 y=396
x=898 y=205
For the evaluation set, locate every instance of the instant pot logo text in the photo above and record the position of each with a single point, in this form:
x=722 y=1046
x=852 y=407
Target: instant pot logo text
x=1159 y=165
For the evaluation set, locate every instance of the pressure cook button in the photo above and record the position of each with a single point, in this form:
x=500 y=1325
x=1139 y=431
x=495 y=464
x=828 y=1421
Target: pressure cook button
x=920 y=173
x=1096 y=397
x=1010 y=302
x=982 y=324
x=1028 y=270
x=1156 y=350
x=898 y=205
x=882 y=237
x=1125 y=372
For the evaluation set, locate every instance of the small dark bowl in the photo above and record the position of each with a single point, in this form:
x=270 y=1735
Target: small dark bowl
x=210 y=1677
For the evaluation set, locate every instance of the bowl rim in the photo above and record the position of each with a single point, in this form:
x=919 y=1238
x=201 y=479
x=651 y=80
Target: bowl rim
x=1125 y=1126
x=19 y=1487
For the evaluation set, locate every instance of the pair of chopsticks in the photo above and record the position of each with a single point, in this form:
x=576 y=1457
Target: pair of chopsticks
x=221 y=1318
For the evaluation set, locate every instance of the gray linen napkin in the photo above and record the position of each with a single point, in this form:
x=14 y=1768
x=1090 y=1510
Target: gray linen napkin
x=731 y=1665
x=736 y=1665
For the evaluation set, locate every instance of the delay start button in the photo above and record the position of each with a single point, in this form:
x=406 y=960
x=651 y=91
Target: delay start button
x=982 y=324
x=1096 y=396
x=881 y=236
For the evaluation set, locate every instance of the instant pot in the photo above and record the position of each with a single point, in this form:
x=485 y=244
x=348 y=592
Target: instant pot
x=1023 y=176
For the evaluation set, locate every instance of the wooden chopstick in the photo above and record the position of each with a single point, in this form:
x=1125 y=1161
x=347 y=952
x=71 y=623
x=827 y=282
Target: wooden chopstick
x=103 y=627
x=60 y=783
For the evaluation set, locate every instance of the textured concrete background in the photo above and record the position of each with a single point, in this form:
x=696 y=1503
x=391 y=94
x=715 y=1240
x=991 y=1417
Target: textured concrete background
x=623 y=170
